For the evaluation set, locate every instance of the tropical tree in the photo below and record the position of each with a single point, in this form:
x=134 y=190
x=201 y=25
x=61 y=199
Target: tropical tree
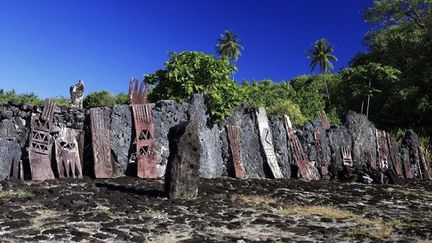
x=321 y=55
x=187 y=73
x=365 y=81
x=228 y=46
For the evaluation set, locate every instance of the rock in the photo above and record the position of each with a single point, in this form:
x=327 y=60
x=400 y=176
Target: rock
x=252 y=154
x=411 y=145
x=6 y=114
x=9 y=151
x=8 y=130
x=121 y=139
x=166 y=114
x=281 y=146
x=362 y=132
x=211 y=162
x=338 y=138
x=182 y=174
x=310 y=145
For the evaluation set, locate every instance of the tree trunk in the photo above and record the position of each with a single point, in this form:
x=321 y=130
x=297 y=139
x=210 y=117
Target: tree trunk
x=368 y=100
x=327 y=91
x=362 y=105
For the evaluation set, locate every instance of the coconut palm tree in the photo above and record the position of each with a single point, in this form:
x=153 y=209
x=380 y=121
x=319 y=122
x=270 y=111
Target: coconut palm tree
x=228 y=46
x=321 y=55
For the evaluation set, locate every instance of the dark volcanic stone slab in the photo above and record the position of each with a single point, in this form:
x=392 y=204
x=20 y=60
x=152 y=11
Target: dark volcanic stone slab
x=182 y=176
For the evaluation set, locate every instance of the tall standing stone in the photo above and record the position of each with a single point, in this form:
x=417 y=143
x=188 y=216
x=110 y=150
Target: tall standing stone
x=182 y=174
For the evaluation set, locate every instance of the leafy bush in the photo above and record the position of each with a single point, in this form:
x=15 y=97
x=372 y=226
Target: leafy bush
x=100 y=99
x=12 y=96
x=187 y=73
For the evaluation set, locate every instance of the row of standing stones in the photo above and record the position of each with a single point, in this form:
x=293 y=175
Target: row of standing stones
x=214 y=155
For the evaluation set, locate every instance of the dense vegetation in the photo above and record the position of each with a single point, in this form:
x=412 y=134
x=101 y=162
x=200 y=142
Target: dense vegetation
x=390 y=83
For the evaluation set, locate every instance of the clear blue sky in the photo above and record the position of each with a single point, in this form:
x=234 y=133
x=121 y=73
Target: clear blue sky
x=47 y=45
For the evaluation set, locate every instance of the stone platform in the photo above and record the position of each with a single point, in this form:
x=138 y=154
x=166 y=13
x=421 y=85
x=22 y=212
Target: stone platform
x=130 y=209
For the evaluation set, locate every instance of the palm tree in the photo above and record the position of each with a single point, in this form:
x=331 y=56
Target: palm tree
x=321 y=55
x=228 y=46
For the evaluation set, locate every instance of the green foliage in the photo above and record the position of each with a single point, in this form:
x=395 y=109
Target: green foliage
x=122 y=99
x=402 y=40
x=223 y=98
x=100 y=99
x=12 y=96
x=321 y=55
x=276 y=98
x=395 y=12
x=228 y=46
x=374 y=81
x=309 y=93
x=187 y=73
x=61 y=101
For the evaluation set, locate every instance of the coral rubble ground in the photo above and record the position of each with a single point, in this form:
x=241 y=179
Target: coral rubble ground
x=130 y=209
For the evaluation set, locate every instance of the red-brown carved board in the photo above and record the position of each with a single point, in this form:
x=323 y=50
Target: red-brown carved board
x=101 y=143
x=392 y=151
x=40 y=143
x=305 y=168
x=320 y=155
x=67 y=154
x=234 y=140
x=146 y=147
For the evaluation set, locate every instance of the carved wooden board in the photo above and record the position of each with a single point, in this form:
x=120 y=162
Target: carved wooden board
x=392 y=151
x=347 y=157
x=67 y=154
x=40 y=143
x=381 y=149
x=101 y=143
x=323 y=117
x=305 y=168
x=426 y=168
x=137 y=95
x=146 y=147
x=267 y=142
x=234 y=140
x=320 y=155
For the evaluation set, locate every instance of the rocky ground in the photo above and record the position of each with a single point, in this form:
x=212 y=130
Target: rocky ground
x=129 y=209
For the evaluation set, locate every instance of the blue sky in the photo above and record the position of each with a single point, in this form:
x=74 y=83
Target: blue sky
x=47 y=45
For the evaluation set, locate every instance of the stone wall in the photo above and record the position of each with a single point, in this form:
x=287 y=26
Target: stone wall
x=356 y=133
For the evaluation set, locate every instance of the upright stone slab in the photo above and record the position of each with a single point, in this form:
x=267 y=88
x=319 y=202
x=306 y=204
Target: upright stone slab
x=166 y=114
x=281 y=146
x=340 y=140
x=67 y=154
x=211 y=162
x=40 y=144
x=267 y=142
x=10 y=154
x=182 y=175
x=121 y=138
x=101 y=143
x=362 y=132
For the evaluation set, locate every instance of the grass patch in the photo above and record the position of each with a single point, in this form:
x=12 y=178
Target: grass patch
x=19 y=193
x=371 y=228
x=155 y=214
x=256 y=201
x=24 y=194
